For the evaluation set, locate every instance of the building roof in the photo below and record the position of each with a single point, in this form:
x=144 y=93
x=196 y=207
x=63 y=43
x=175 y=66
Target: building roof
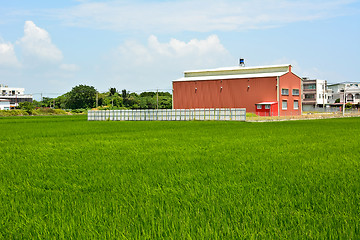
x=235 y=73
x=239 y=68
x=341 y=83
x=263 y=103
x=254 y=75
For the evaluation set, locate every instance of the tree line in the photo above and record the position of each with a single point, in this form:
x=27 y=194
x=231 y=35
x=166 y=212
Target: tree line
x=86 y=97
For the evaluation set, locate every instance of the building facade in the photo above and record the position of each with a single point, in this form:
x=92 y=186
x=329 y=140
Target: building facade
x=4 y=104
x=315 y=93
x=14 y=95
x=351 y=89
x=240 y=87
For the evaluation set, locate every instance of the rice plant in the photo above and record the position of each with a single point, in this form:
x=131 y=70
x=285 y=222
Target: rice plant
x=63 y=177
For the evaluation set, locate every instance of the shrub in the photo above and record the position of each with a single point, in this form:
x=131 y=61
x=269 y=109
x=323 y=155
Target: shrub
x=16 y=112
x=80 y=110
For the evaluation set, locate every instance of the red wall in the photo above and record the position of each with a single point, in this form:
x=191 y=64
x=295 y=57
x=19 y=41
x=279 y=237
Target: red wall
x=235 y=93
x=273 y=111
x=290 y=81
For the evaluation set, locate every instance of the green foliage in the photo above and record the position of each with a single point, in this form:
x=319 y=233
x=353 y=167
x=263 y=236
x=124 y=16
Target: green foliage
x=60 y=102
x=84 y=97
x=348 y=106
x=165 y=102
x=337 y=100
x=74 y=179
x=81 y=96
x=16 y=112
x=79 y=110
x=112 y=91
x=251 y=115
x=39 y=111
x=124 y=94
x=27 y=106
x=147 y=94
x=49 y=111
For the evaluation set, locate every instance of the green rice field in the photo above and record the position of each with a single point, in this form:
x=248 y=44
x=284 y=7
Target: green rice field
x=62 y=177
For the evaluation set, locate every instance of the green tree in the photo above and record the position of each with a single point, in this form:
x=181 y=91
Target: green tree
x=81 y=96
x=124 y=94
x=60 y=102
x=27 y=106
x=147 y=94
x=112 y=91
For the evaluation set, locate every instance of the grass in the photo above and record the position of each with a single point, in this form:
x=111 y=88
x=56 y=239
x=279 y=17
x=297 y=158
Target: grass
x=62 y=177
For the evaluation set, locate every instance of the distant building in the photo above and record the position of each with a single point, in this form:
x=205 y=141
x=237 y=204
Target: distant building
x=14 y=95
x=315 y=93
x=273 y=90
x=352 y=92
x=4 y=104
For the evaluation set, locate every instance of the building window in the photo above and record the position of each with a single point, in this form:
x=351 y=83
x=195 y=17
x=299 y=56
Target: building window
x=296 y=104
x=310 y=86
x=267 y=106
x=284 y=91
x=309 y=96
x=284 y=105
x=357 y=96
x=258 y=106
x=295 y=92
x=319 y=95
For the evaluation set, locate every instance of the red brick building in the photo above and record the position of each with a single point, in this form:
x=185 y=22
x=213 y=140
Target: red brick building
x=240 y=87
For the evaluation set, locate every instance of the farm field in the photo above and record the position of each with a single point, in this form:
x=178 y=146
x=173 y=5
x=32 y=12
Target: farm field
x=62 y=177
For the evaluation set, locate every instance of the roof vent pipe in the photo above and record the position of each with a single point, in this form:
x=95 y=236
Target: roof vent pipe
x=242 y=62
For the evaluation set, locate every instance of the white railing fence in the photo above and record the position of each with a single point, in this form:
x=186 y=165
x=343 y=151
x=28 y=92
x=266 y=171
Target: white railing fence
x=217 y=114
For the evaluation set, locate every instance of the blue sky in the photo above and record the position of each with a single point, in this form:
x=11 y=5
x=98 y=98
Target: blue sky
x=51 y=46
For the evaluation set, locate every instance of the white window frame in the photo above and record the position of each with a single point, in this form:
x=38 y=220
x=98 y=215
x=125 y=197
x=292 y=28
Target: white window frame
x=297 y=104
x=282 y=105
x=283 y=90
x=267 y=106
x=258 y=105
x=296 y=94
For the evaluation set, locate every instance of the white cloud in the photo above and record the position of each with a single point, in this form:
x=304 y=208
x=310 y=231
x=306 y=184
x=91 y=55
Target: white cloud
x=36 y=45
x=195 y=52
x=201 y=15
x=7 y=56
x=137 y=66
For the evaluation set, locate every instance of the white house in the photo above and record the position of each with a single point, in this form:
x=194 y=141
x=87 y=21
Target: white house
x=14 y=95
x=351 y=89
x=315 y=93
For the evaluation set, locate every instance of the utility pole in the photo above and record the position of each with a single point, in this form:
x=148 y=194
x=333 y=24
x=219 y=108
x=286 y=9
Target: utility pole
x=324 y=96
x=344 y=102
x=157 y=98
x=97 y=99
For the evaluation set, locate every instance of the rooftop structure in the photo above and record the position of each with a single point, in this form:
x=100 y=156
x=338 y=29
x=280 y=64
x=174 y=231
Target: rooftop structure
x=14 y=95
